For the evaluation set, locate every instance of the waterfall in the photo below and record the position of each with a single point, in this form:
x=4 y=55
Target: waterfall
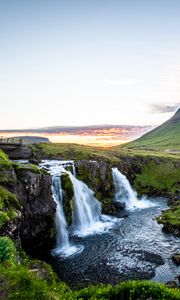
x=62 y=240
x=86 y=215
x=63 y=246
x=125 y=194
x=87 y=209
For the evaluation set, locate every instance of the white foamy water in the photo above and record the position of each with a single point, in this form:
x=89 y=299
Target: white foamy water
x=125 y=194
x=63 y=246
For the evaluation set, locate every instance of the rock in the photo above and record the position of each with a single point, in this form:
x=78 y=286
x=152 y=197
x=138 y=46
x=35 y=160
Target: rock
x=68 y=193
x=170 y=228
x=17 y=151
x=37 y=228
x=119 y=205
x=176 y=258
x=33 y=227
x=173 y=284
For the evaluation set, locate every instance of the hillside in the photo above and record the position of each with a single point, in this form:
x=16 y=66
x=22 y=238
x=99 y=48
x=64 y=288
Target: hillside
x=165 y=137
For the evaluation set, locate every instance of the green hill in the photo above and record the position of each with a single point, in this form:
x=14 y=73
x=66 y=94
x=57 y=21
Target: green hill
x=165 y=137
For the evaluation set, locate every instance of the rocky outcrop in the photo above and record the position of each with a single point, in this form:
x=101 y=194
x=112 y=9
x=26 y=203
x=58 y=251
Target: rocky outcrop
x=176 y=258
x=68 y=193
x=98 y=176
x=32 y=188
x=17 y=150
x=148 y=174
x=38 y=209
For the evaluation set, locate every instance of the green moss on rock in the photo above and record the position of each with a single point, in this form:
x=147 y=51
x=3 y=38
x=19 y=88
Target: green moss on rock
x=171 y=219
x=3 y=156
x=68 y=193
x=33 y=168
x=7 y=251
x=8 y=206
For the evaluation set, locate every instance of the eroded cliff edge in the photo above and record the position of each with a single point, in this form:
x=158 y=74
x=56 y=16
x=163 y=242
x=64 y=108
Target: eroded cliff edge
x=26 y=193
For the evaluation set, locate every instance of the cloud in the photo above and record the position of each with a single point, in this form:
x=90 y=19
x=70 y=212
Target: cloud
x=122 y=82
x=164 y=108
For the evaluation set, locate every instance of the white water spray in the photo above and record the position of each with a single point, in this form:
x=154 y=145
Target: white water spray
x=87 y=209
x=62 y=239
x=63 y=247
x=125 y=194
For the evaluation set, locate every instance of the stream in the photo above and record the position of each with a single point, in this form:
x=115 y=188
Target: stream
x=134 y=247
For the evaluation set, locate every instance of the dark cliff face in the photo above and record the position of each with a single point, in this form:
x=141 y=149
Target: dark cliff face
x=35 y=226
x=149 y=175
x=16 y=151
x=37 y=223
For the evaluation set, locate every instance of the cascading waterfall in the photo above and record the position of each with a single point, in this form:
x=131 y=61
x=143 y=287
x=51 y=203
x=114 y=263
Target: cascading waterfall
x=87 y=209
x=86 y=215
x=62 y=240
x=125 y=194
x=63 y=246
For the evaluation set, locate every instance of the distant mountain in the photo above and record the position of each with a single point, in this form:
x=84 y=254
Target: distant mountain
x=75 y=129
x=165 y=137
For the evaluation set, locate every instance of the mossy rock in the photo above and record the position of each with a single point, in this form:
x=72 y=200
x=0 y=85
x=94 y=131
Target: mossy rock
x=8 y=206
x=19 y=168
x=3 y=156
x=7 y=251
x=171 y=219
x=68 y=193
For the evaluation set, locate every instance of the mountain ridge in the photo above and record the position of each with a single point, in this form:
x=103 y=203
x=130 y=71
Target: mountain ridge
x=164 y=137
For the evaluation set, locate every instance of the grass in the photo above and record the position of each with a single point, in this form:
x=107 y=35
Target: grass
x=160 y=177
x=164 y=138
x=78 y=152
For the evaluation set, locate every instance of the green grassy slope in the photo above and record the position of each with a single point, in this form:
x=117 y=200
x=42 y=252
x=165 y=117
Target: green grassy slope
x=165 y=137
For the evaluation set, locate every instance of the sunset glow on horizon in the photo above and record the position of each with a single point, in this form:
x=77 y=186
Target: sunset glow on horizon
x=104 y=137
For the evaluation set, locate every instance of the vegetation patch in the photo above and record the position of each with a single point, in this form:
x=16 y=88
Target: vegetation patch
x=7 y=251
x=171 y=219
x=33 y=168
x=3 y=156
x=130 y=290
x=8 y=206
x=159 y=178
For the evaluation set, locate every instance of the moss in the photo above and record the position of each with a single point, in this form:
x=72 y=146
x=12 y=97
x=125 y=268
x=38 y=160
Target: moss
x=3 y=156
x=162 y=178
x=6 y=169
x=171 y=219
x=5 y=172
x=19 y=282
x=33 y=168
x=8 y=206
x=132 y=290
x=7 y=251
x=68 y=193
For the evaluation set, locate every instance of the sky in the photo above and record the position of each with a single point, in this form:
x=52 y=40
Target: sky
x=83 y=62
